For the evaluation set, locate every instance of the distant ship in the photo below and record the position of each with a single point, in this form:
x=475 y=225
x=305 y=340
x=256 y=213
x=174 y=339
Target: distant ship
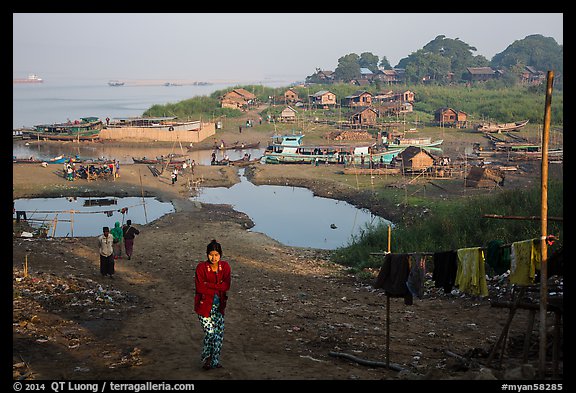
x=115 y=83
x=32 y=78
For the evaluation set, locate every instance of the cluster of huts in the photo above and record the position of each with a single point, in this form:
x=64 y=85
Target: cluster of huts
x=365 y=107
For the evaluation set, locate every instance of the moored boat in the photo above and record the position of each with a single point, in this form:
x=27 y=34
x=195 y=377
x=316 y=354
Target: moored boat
x=115 y=83
x=145 y=160
x=403 y=142
x=85 y=129
x=501 y=127
x=289 y=149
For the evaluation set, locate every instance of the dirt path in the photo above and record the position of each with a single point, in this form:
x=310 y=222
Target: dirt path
x=289 y=308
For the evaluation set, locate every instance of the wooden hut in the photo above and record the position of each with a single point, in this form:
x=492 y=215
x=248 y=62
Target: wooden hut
x=358 y=99
x=323 y=98
x=414 y=158
x=364 y=116
x=238 y=99
x=450 y=117
x=290 y=95
x=288 y=114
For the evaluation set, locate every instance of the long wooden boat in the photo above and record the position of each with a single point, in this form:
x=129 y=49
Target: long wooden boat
x=501 y=127
x=145 y=160
x=397 y=143
x=242 y=146
x=29 y=160
x=153 y=123
x=289 y=149
x=85 y=129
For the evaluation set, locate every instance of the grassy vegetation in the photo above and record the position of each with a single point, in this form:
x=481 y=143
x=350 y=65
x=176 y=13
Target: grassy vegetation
x=502 y=104
x=459 y=223
x=449 y=224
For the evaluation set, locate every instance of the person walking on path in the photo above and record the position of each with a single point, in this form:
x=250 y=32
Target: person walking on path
x=105 y=242
x=212 y=280
x=117 y=236
x=129 y=233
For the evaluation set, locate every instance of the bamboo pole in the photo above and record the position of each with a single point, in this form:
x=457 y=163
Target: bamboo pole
x=142 y=192
x=55 y=221
x=544 y=225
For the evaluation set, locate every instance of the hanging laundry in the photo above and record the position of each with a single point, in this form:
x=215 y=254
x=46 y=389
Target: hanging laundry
x=416 y=278
x=444 y=271
x=525 y=259
x=470 y=275
x=498 y=256
x=393 y=276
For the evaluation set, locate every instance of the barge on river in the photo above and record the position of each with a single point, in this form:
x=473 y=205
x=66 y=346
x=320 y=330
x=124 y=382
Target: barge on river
x=85 y=129
x=289 y=149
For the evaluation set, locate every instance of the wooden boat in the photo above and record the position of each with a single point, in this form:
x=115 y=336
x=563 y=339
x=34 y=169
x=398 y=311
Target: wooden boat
x=406 y=142
x=145 y=160
x=29 y=160
x=234 y=146
x=501 y=127
x=242 y=162
x=242 y=146
x=289 y=149
x=87 y=128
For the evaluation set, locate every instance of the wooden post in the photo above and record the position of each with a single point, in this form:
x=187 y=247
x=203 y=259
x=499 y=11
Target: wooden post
x=389 y=236
x=387 y=331
x=26 y=266
x=142 y=192
x=55 y=221
x=544 y=225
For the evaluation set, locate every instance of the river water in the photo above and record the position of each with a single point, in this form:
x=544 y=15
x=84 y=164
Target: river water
x=291 y=215
x=57 y=100
x=294 y=215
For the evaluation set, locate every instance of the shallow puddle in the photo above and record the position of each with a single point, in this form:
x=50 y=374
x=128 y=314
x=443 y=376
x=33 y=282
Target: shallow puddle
x=82 y=217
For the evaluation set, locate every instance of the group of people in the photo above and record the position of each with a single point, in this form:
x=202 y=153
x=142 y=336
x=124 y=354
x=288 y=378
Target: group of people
x=110 y=245
x=72 y=172
x=212 y=281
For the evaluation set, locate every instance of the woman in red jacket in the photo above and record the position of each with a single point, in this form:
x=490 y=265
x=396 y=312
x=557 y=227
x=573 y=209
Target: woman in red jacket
x=212 y=280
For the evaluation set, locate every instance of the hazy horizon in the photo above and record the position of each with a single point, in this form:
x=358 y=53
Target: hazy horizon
x=246 y=47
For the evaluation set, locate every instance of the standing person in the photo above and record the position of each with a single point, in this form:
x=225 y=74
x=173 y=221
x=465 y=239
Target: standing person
x=175 y=174
x=117 y=243
x=105 y=242
x=212 y=279
x=129 y=233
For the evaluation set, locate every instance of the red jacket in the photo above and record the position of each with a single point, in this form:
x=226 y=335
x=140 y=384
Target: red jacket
x=209 y=284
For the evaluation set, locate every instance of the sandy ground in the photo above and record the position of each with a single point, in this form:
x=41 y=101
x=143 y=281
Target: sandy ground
x=289 y=308
x=291 y=312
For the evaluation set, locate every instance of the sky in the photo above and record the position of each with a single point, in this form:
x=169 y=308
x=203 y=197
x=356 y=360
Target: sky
x=246 y=47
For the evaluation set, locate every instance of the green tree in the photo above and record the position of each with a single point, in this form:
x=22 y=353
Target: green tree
x=348 y=67
x=422 y=65
x=384 y=63
x=542 y=53
x=368 y=60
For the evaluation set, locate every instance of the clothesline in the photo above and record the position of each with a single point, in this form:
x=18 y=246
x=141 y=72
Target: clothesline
x=484 y=248
x=463 y=268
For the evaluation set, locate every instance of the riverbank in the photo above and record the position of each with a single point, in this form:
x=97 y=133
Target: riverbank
x=290 y=309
